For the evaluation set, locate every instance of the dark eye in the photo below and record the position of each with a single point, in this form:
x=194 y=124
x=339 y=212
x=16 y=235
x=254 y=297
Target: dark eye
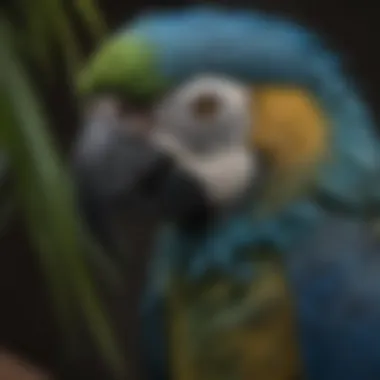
x=206 y=114
x=205 y=106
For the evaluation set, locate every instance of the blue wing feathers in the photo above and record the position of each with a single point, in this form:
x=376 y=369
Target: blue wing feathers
x=335 y=275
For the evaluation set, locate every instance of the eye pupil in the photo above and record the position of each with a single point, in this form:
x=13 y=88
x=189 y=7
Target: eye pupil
x=205 y=106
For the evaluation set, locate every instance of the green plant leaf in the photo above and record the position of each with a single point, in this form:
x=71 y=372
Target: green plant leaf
x=47 y=23
x=6 y=201
x=90 y=14
x=62 y=31
x=45 y=192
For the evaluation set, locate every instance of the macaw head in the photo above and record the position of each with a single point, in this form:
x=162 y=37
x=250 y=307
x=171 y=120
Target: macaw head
x=192 y=113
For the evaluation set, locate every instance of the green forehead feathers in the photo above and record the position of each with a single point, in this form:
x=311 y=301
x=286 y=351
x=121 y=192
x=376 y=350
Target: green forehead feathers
x=125 y=64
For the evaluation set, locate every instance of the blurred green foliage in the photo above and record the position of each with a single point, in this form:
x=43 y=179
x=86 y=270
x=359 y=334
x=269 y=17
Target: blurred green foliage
x=41 y=187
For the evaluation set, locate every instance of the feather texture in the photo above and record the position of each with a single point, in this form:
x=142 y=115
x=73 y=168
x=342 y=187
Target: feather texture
x=335 y=274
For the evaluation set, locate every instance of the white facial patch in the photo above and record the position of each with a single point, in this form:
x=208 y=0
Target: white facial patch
x=224 y=175
x=234 y=99
x=211 y=149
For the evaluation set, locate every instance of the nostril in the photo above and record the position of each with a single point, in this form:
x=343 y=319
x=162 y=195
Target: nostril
x=152 y=182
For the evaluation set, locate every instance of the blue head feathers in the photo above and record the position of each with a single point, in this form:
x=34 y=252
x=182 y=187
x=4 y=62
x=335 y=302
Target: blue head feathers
x=259 y=48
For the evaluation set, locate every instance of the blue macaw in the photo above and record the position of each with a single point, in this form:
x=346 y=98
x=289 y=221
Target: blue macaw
x=240 y=139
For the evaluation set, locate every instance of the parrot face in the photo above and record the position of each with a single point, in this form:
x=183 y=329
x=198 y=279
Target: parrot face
x=185 y=120
x=183 y=156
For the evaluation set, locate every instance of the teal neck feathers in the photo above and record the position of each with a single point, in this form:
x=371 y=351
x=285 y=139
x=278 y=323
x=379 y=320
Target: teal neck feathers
x=217 y=247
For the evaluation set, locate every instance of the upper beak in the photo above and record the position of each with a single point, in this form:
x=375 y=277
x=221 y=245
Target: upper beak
x=109 y=163
x=111 y=158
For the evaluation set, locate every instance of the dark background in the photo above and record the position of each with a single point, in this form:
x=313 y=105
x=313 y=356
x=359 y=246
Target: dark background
x=26 y=323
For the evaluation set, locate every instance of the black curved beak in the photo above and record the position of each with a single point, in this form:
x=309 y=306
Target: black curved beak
x=119 y=173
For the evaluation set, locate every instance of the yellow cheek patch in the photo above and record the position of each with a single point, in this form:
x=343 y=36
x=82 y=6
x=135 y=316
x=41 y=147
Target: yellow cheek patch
x=291 y=131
